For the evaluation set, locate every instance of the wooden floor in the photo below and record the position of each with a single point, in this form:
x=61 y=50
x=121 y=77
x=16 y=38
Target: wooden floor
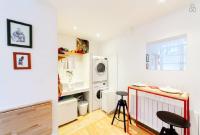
x=97 y=123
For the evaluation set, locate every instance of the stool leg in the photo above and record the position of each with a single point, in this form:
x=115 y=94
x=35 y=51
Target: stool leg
x=128 y=112
x=175 y=133
x=115 y=113
x=119 y=111
x=162 y=132
x=124 y=114
x=172 y=130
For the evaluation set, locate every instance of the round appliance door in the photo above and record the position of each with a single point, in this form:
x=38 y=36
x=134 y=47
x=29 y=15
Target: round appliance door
x=99 y=94
x=101 y=68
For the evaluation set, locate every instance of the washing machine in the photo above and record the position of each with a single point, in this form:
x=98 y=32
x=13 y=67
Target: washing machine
x=98 y=88
x=100 y=69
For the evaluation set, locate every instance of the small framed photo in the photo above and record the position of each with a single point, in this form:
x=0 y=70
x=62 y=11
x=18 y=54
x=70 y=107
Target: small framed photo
x=147 y=57
x=21 y=60
x=19 y=34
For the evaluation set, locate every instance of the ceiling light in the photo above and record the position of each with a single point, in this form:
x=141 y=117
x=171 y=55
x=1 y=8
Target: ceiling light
x=75 y=28
x=98 y=35
x=162 y=1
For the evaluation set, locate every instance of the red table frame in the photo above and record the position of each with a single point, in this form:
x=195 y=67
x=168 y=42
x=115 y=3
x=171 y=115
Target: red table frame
x=185 y=102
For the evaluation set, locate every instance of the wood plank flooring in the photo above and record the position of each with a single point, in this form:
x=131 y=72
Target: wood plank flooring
x=97 y=123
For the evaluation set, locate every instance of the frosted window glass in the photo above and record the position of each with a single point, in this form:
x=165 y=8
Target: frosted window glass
x=168 y=54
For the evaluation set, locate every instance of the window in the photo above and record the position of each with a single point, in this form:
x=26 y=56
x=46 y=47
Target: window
x=167 y=54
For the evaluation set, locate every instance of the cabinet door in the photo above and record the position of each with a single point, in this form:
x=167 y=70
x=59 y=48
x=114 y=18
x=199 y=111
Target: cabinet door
x=31 y=120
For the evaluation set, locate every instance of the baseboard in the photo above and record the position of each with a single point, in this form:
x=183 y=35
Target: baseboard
x=146 y=127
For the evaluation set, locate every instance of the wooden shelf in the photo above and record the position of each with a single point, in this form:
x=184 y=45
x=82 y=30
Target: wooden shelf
x=62 y=56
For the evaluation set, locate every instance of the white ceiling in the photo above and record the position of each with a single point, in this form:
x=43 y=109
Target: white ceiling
x=109 y=17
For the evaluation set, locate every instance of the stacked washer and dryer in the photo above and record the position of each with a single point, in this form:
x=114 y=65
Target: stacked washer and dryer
x=100 y=80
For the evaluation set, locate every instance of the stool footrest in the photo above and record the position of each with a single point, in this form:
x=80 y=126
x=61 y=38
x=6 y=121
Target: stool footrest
x=119 y=119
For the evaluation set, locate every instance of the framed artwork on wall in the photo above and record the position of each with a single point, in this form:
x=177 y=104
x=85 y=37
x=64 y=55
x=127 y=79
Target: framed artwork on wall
x=19 y=34
x=21 y=60
x=147 y=57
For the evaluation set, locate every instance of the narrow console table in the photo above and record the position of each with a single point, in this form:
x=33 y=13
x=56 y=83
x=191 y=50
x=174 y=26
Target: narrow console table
x=184 y=97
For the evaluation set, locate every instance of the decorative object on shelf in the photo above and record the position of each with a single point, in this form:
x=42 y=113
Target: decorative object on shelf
x=140 y=84
x=19 y=34
x=21 y=60
x=82 y=46
x=170 y=90
x=62 y=50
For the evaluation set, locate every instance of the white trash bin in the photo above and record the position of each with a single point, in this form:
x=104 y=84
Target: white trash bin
x=82 y=107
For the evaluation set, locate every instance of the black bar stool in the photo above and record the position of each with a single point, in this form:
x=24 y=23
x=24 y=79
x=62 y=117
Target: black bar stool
x=173 y=120
x=121 y=103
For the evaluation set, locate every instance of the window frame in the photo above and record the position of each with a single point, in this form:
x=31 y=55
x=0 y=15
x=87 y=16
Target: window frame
x=153 y=49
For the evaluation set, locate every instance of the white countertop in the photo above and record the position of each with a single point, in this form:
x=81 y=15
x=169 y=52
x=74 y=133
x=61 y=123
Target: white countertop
x=75 y=91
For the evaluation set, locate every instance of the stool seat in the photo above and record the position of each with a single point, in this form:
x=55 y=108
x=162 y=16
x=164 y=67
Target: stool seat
x=173 y=119
x=122 y=93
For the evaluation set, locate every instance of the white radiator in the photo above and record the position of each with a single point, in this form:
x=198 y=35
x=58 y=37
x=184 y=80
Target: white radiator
x=148 y=105
x=195 y=122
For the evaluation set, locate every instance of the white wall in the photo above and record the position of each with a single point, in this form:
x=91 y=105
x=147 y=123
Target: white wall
x=67 y=41
x=130 y=48
x=24 y=87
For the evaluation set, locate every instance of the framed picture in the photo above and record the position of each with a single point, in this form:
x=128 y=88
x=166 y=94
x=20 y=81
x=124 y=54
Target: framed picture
x=19 y=34
x=147 y=57
x=21 y=60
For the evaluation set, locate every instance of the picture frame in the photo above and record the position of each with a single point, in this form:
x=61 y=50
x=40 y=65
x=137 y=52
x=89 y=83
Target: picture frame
x=19 y=34
x=147 y=57
x=21 y=60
